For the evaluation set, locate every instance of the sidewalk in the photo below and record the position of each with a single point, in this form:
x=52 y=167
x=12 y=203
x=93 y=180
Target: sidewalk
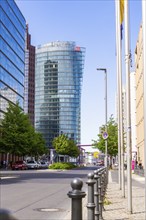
x=118 y=209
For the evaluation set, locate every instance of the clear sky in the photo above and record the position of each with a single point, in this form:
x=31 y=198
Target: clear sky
x=91 y=24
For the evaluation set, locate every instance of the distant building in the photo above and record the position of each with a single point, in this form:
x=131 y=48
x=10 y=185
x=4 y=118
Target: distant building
x=133 y=115
x=12 y=55
x=29 y=96
x=139 y=98
x=58 y=80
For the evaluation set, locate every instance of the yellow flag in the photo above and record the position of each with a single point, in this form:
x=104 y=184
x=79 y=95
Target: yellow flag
x=121 y=11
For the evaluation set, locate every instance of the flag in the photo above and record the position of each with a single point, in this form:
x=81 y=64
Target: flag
x=121 y=16
x=121 y=11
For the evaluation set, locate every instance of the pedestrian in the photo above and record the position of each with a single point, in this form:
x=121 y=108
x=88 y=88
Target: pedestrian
x=4 y=164
x=140 y=165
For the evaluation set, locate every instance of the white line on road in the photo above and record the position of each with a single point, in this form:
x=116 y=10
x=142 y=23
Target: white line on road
x=8 y=177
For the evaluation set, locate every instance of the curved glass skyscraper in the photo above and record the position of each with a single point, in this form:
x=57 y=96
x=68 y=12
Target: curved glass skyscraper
x=58 y=77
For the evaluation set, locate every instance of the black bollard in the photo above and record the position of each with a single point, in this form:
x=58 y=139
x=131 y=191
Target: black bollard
x=6 y=215
x=76 y=195
x=91 y=204
x=100 y=193
x=104 y=183
x=96 y=194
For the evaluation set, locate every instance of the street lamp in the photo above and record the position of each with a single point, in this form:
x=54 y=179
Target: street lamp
x=106 y=134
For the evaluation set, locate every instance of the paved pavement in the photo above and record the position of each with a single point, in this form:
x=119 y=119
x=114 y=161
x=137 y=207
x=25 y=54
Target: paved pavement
x=118 y=209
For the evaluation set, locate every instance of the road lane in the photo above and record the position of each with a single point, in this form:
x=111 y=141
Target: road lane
x=36 y=195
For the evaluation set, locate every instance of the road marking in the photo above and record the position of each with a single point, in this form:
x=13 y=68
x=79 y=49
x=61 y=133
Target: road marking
x=8 y=177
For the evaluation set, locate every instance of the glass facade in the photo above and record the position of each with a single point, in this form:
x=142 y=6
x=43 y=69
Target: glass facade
x=29 y=83
x=58 y=79
x=12 y=55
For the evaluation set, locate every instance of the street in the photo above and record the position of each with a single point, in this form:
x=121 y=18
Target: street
x=39 y=194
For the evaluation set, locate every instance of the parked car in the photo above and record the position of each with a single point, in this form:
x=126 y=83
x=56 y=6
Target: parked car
x=39 y=165
x=44 y=165
x=100 y=163
x=116 y=164
x=19 y=165
x=32 y=164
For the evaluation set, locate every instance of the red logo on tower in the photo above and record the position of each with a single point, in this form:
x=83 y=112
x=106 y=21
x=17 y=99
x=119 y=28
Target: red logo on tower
x=77 y=48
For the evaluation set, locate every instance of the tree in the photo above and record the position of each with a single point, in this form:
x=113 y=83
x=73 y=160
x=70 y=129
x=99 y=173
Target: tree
x=112 y=141
x=73 y=149
x=18 y=135
x=38 y=145
x=65 y=146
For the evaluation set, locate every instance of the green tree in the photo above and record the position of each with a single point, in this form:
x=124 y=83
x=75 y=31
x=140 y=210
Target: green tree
x=17 y=134
x=65 y=146
x=38 y=145
x=112 y=141
x=73 y=149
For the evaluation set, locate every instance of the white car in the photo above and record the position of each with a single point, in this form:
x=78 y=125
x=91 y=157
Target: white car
x=44 y=165
x=32 y=164
x=116 y=165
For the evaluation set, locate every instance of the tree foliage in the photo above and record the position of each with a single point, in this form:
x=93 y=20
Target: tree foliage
x=18 y=135
x=112 y=141
x=65 y=146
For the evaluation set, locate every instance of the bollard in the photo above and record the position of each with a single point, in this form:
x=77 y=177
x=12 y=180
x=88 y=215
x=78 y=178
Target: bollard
x=76 y=195
x=91 y=205
x=100 y=193
x=106 y=173
x=102 y=186
x=6 y=215
x=104 y=183
x=96 y=194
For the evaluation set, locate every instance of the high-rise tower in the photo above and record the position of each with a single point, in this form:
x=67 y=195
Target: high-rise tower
x=58 y=77
x=12 y=55
x=29 y=78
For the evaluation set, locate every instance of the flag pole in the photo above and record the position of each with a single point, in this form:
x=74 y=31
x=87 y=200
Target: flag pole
x=119 y=85
x=127 y=64
x=120 y=20
x=118 y=92
x=144 y=75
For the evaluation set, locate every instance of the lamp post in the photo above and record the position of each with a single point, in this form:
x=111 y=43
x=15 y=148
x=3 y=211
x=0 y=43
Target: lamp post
x=105 y=71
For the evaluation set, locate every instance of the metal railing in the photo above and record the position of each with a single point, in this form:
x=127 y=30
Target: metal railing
x=96 y=190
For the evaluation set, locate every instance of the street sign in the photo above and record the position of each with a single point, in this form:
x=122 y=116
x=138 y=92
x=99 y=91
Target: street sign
x=105 y=135
x=95 y=154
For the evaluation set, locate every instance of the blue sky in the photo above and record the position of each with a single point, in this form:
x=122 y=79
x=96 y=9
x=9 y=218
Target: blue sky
x=91 y=24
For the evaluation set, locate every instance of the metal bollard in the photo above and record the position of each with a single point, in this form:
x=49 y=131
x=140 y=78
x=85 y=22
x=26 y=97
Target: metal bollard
x=96 y=194
x=106 y=173
x=100 y=193
x=6 y=215
x=91 y=205
x=76 y=195
x=104 y=183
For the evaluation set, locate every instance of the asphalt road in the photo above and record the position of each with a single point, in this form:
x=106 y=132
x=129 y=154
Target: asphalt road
x=39 y=194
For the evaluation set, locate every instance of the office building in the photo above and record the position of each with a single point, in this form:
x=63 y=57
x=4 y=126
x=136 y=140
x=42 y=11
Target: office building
x=29 y=94
x=133 y=115
x=139 y=98
x=58 y=80
x=12 y=55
